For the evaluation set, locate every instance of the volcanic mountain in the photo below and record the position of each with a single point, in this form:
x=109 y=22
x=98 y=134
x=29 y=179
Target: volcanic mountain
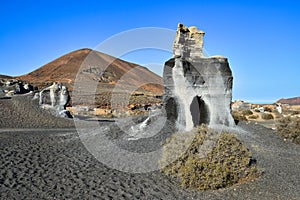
x=98 y=66
x=93 y=68
x=290 y=101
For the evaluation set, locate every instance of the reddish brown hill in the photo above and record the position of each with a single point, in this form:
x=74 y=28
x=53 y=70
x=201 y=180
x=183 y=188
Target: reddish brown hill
x=96 y=68
x=5 y=77
x=290 y=101
x=63 y=69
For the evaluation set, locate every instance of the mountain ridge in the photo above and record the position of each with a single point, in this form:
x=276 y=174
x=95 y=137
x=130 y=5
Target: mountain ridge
x=290 y=101
x=65 y=68
x=93 y=69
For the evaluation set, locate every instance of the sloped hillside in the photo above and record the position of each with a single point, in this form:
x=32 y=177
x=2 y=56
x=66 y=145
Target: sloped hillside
x=96 y=68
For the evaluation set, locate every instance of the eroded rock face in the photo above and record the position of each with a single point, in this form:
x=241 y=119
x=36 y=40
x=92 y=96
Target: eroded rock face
x=55 y=97
x=1 y=92
x=197 y=89
x=188 y=42
x=15 y=87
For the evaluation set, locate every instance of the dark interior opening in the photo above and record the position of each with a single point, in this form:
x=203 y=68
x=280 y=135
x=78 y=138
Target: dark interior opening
x=199 y=111
x=171 y=110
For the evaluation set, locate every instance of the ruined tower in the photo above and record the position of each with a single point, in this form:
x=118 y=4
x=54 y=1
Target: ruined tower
x=198 y=89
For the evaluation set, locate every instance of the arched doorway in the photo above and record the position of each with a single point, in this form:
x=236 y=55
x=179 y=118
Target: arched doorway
x=199 y=111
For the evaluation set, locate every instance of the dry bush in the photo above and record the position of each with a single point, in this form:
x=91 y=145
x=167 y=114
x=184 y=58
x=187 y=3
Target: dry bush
x=290 y=111
x=267 y=109
x=228 y=161
x=267 y=116
x=295 y=112
x=289 y=128
x=237 y=116
x=247 y=112
x=253 y=117
x=277 y=115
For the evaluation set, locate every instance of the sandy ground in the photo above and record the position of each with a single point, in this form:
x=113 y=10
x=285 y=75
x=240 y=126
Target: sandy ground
x=44 y=162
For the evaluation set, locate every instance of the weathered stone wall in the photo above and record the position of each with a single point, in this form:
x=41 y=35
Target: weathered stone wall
x=197 y=89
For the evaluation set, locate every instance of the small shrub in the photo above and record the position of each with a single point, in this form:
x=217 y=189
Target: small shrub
x=277 y=115
x=228 y=162
x=267 y=109
x=295 y=112
x=256 y=110
x=253 y=117
x=237 y=116
x=267 y=116
x=289 y=128
x=247 y=112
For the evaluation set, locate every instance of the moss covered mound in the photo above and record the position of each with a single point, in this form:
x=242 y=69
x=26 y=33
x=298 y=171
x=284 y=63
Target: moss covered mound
x=227 y=161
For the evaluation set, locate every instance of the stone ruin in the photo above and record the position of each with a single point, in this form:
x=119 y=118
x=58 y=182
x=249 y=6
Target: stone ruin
x=55 y=98
x=197 y=89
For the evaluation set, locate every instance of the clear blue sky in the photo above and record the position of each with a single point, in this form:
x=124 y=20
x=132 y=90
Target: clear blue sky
x=261 y=38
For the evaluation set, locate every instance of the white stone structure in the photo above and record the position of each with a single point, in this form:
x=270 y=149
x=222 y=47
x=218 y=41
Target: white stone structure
x=55 y=97
x=197 y=89
x=279 y=108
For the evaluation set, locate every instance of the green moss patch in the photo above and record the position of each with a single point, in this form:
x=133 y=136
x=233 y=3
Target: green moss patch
x=227 y=162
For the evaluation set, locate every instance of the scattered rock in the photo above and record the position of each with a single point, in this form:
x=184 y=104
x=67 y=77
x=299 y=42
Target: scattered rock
x=15 y=87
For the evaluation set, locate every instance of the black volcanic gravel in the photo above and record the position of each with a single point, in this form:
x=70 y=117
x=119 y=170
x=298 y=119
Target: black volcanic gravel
x=38 y=162
x=23 y=112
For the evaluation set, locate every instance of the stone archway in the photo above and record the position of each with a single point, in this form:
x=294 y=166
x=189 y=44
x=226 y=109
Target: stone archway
x=199 y=111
